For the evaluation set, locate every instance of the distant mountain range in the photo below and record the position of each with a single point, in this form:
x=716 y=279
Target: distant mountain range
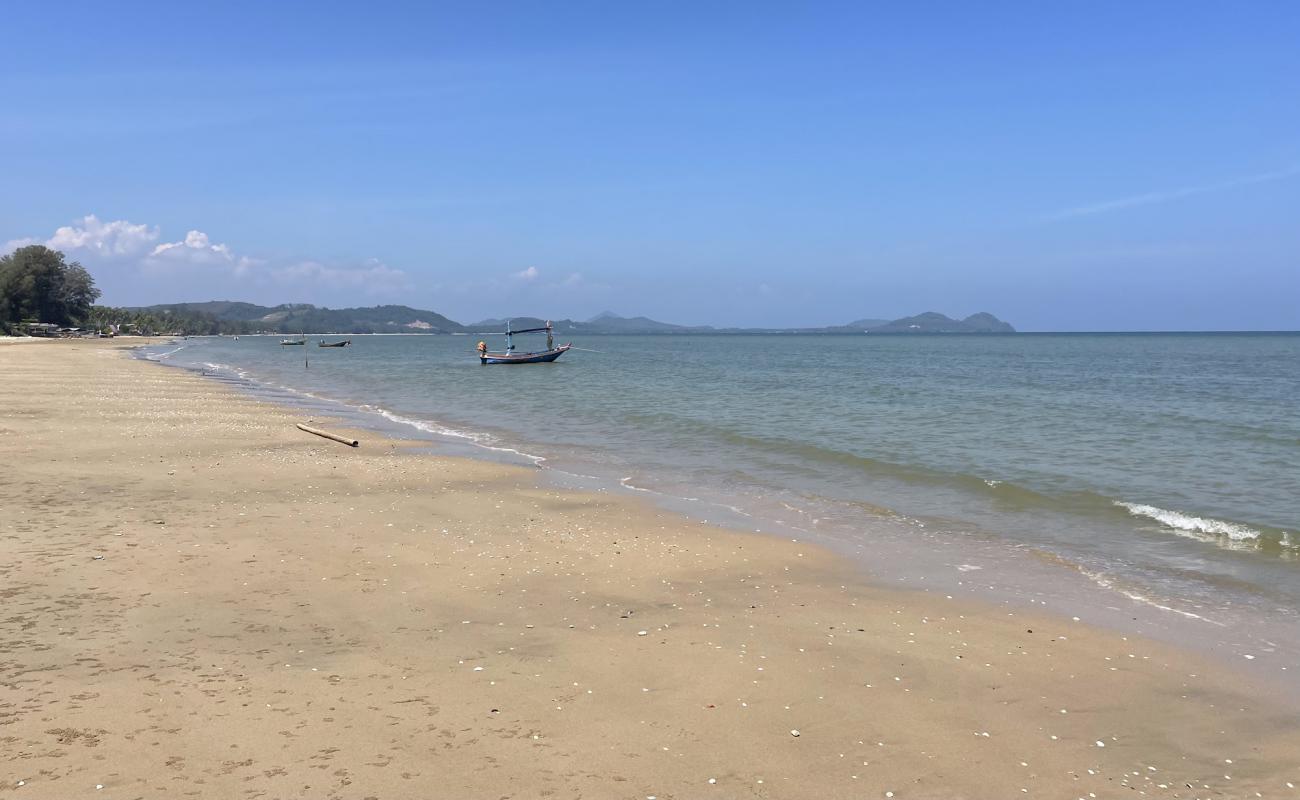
x=606 y=323
x=296 y=317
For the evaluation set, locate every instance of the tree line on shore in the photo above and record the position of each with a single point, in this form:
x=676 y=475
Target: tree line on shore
x=39 y=285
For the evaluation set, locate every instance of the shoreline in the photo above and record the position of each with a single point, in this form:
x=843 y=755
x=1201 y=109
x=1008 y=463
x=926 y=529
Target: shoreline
x=900 y=550
x=289 y=616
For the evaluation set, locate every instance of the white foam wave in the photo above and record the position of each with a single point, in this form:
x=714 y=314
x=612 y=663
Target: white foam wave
x=211 y=366
x=626 y=483
x=1106 y=583
x=484 y=440
x=300 y=392
x=163 y=356
x=1188 y=524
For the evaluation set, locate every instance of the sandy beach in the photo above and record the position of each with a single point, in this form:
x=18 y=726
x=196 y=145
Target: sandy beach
x=200 y=600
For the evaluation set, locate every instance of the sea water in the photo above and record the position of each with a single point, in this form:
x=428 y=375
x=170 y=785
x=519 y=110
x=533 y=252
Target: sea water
x=1163 y=467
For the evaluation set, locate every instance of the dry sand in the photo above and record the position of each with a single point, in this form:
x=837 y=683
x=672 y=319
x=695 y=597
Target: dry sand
x=199 y=600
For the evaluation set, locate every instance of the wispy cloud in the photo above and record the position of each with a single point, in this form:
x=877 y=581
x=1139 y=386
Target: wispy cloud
x=372 y=276
x=1154 y=198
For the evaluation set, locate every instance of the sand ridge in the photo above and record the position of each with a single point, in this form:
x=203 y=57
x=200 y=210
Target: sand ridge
x=199 y=600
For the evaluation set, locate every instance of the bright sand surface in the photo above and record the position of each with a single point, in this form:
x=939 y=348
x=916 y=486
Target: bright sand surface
x=199 y=600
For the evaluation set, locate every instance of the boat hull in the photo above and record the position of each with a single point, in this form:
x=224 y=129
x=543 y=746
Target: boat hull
x=544 y=357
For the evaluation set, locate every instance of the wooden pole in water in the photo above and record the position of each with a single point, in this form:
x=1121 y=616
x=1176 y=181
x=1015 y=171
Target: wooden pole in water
x=328 y=435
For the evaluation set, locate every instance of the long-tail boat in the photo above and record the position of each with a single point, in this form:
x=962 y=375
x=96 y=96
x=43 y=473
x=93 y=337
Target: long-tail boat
x=511 y=357
x=343 y=343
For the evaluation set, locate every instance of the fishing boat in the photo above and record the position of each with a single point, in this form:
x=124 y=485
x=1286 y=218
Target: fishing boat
x=343 y=343
x=511 y=357
x=299 y=341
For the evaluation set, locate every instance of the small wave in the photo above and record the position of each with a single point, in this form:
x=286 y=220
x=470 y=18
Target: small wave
x=1107 y=583
x=626 y=483
x=1117 y=585
x=430 y=427
x=483 y=440
x=1198 y=527
x=163 y=356
x=227 y=369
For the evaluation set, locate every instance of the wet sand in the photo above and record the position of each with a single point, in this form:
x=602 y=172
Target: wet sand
x=199 y=600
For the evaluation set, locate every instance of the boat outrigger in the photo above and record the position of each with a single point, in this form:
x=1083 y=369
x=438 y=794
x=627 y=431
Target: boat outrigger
x=511 y=357
x=343 y=343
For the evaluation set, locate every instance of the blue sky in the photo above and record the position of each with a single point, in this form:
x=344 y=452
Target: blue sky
x=1066 y=166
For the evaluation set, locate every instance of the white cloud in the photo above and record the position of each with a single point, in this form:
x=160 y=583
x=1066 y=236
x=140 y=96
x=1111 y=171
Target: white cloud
x=125 y=250
x=121 y=240
x=117 y=239
x=528 y=274
x=195 y=241
x=574 y=279
x=197 y=249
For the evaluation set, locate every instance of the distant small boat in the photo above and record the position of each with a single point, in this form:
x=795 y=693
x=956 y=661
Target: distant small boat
x=511 y=357
x=293 y=341
x=344 y=343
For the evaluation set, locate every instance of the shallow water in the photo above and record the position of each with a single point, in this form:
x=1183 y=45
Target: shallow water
x=1164 y=467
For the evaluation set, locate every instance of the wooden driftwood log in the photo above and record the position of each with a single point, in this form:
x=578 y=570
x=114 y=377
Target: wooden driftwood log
x=328 y=435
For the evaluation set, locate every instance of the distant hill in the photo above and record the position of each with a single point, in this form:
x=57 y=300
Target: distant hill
x=221 y=309
x=934 y=322
x=237 y=317
x=612 y=323
x=857 y=326
x=601 y=324
x=866 y=324
x=516 y=323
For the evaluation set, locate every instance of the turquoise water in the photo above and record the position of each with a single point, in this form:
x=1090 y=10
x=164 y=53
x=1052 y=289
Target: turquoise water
x=1170 y=462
